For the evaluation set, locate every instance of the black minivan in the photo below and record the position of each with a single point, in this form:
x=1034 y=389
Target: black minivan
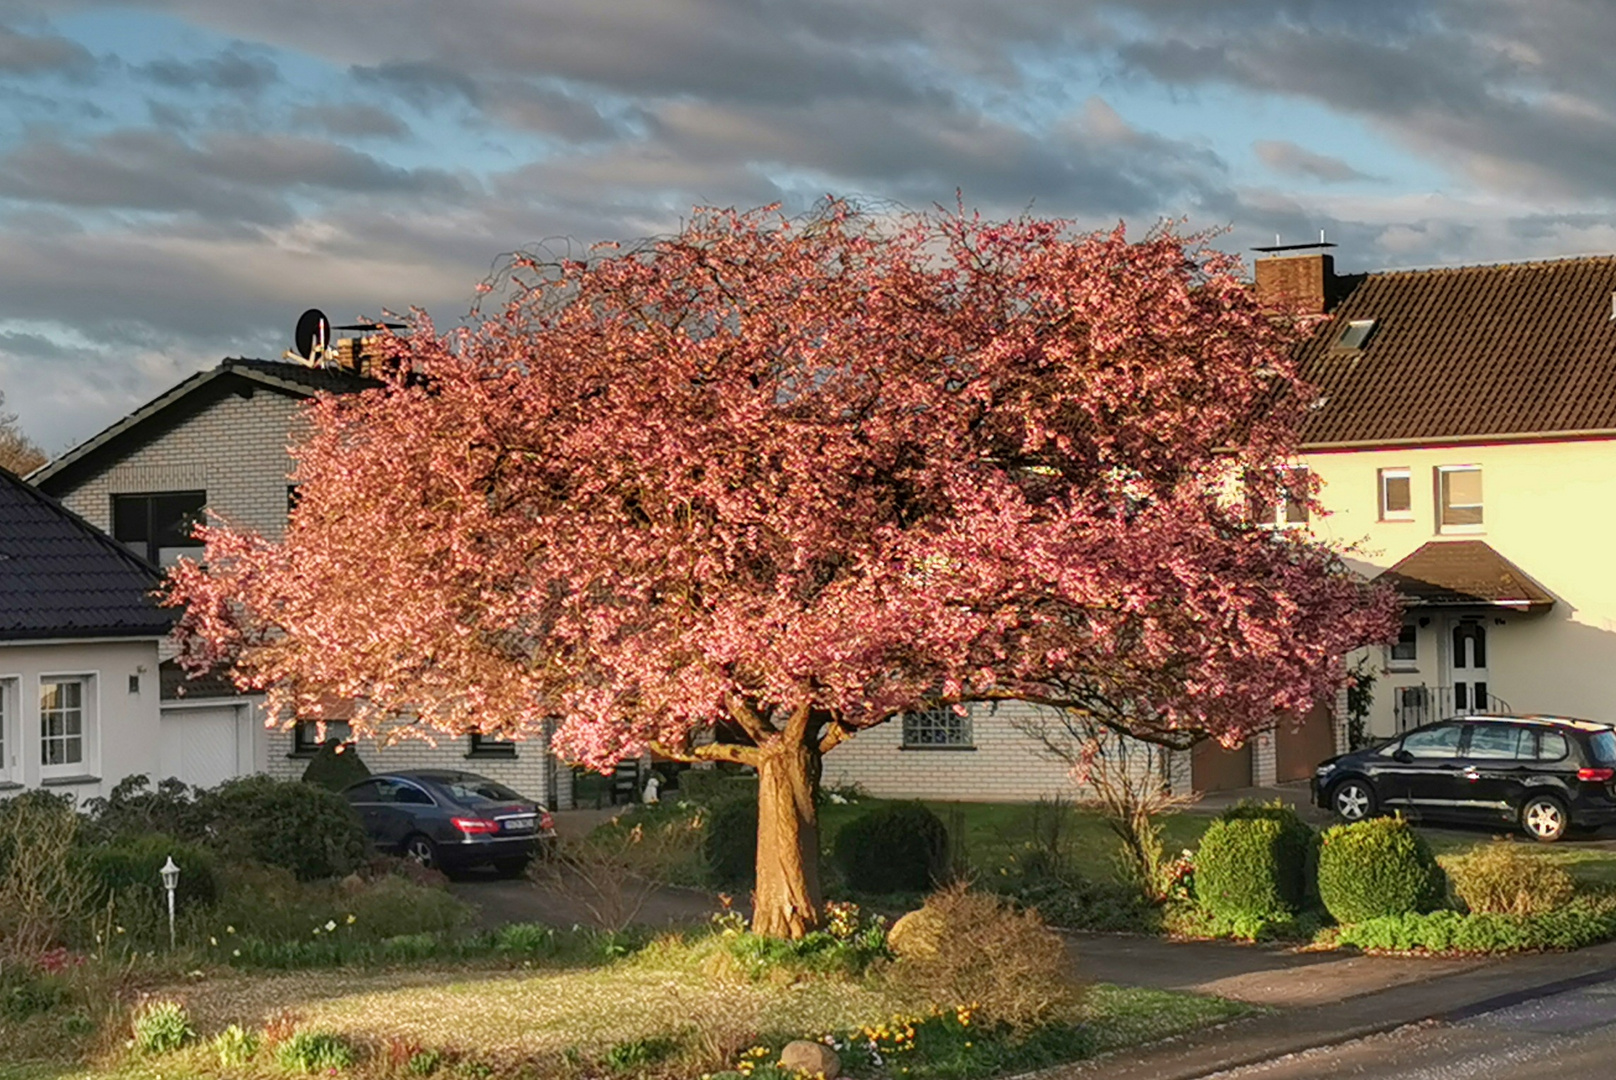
x=1546 y=774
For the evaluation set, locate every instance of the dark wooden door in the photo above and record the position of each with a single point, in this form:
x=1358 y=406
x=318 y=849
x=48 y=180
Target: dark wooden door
x=1298 y=750
x=1212 y=768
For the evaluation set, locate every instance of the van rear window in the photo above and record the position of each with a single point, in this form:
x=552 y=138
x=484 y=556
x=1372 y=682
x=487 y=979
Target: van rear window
x=1604 y=746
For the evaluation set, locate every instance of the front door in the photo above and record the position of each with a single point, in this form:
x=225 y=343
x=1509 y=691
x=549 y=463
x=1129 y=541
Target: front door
x=1467 y=660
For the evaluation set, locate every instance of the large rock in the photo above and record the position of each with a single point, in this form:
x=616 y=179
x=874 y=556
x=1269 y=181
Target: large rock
x=916 y=935
x=815 y=1059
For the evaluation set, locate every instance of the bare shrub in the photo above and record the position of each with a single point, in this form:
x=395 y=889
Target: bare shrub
x=1125 y=781
x=1501 y=879
x=614 y=870
x=973 y=948
x=44 y=894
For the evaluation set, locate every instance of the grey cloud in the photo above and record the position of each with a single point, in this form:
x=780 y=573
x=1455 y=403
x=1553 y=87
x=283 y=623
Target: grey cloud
x=351 y=119
x=235 y=70
x=35 y=54
x=1288 y=159
x=421 y=84
x=547 y=111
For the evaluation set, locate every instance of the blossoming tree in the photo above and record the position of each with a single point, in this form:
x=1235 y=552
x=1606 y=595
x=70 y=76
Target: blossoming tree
x=801 y=478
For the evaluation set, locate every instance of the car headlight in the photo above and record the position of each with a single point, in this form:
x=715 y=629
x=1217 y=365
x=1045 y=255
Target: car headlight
x=1323 y=770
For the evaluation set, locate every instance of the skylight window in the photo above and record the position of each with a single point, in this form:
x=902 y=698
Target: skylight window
x=1355 y=335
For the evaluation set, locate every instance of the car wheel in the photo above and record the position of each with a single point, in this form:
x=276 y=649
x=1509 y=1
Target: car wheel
x=420 y=849
x=1353 y=800
x=510 y=868
x=1545 y=818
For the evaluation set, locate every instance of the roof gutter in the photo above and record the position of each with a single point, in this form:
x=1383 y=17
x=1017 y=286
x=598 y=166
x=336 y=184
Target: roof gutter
x=1576 y=435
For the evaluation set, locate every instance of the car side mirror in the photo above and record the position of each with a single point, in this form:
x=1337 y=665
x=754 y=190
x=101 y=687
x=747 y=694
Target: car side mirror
x=1403 y=756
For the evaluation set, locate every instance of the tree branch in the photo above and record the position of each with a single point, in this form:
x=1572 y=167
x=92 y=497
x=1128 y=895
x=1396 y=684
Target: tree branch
x=754 y=725
x=740 y=755
x=797 y=727
x=838 y=734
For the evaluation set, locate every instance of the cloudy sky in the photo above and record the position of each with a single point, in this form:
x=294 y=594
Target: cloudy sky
x=178 y=180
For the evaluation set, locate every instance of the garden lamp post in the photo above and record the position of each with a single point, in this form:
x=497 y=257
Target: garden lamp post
x=171 y=881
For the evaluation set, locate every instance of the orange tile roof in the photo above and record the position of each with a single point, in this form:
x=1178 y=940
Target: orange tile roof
x=1468 y=354
x=1456 y=573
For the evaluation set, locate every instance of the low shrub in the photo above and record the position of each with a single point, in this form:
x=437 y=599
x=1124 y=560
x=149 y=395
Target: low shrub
x=133 y=864
x=713 y=786
x=1501 y=879
x=636 y=1054
x=29 y=993
x=395 y=905
x=982 y=950
x=820 y=951
x=134 y=806
x=162 y=1027
x=44 y=890
x=729 y=845
x=898 y=848
x=1370 y=869
x=335 y=766
x=315 y=1052
x=1252 y=863
x=235 y=1046
x=308 y=830
x=525 y=940
x=1192 y=920
x=1582 y=922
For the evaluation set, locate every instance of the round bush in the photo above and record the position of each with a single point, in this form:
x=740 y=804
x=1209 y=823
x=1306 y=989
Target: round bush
x=135 y=863
x=1252 y=862
x=306 y=829
x=335 y=766
x=898 y=848
x=1374 y=868
x=1502 y=879
x=730 y=845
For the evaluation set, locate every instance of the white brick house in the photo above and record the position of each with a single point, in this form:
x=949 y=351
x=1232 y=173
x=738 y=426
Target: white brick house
x=219 y=441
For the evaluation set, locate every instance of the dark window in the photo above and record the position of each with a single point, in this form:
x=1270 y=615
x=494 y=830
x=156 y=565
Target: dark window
x=1603 y=745
x=479 y=792
x=1552 y=746
x=306 y=735
x=367 y=792
x=1459 y=496
x=936 y=728
x=1355 y=335
x=1438 y=742
x=1406 y=651
x=483 y=746
x=158 y=527
x=411 y=795
x=1499 y=742
x=1396 y=495
x=293 y=495
x=1469 y=645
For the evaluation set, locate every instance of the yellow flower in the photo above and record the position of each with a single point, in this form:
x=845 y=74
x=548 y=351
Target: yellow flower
x=213 y=941
x=230 y=929
x=352 y=919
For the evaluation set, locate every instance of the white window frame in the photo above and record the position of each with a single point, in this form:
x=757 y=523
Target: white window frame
x=1442 y=526
x=955 y=730
x=1279 y=516
x=10 y=731
x=89 y=727
x=1409 y=663
x=1401 y=473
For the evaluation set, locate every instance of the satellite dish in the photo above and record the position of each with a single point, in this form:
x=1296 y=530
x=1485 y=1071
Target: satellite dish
x=313 y=331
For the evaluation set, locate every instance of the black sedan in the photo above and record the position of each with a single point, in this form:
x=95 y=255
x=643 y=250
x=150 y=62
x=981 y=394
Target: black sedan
x=451 y=820
x=1546 y=774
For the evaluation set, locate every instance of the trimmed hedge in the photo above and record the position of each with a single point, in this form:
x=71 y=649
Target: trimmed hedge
x=1579 y=924
x=306 y=829
x=1372 y=869
x=897 y=848
x=135 y=863
x=1252 y=863
x=730 y=844
x=335 y=766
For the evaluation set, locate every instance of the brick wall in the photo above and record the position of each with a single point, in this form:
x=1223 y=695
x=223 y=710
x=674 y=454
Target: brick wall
x=1005 y=765
x=235 y=450
x=528 y=773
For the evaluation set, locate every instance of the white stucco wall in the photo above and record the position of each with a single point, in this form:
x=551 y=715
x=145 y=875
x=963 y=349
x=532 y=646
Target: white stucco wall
x=122 y=734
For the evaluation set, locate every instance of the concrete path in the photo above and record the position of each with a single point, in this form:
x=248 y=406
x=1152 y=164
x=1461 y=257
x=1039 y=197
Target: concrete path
x=1258 y=974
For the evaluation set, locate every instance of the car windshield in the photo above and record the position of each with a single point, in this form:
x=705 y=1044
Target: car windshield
x=473 y=790
x=1604 y=747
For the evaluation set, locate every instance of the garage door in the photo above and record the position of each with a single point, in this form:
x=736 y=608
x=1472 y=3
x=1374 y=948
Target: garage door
x=1298 y=750
x=1212 y=768
x=200 y=744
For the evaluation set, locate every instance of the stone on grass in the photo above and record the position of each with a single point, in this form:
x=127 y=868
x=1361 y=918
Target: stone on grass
x=815 y=1059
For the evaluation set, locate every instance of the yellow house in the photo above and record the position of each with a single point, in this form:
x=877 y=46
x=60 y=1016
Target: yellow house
x=1465 y=443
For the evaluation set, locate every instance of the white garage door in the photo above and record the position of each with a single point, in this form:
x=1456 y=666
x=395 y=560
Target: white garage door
x=200 y=744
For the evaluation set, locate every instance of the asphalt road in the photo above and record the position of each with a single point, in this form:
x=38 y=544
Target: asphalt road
x=1565 y=1036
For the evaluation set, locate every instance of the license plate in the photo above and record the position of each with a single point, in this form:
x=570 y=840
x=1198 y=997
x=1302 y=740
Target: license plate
x=520 y=824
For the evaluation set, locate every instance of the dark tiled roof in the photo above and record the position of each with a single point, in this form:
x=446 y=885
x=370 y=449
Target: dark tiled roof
x=1451 y=573
x=173 y=683
x=60 y=577
x=1469 y=353
x=150 y=419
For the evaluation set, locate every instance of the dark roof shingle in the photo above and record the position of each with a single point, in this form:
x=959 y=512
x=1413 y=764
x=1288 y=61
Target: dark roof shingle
x=1467 y=354
x=60 y=577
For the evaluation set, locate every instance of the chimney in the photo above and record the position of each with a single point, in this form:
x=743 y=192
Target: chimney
x=1298 y=278
x=350 y=354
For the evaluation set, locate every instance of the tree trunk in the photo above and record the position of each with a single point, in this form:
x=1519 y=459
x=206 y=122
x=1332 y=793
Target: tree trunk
x=787 y=902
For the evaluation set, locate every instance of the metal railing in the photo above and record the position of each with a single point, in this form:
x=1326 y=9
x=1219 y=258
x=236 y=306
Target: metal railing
x=1416 y=706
